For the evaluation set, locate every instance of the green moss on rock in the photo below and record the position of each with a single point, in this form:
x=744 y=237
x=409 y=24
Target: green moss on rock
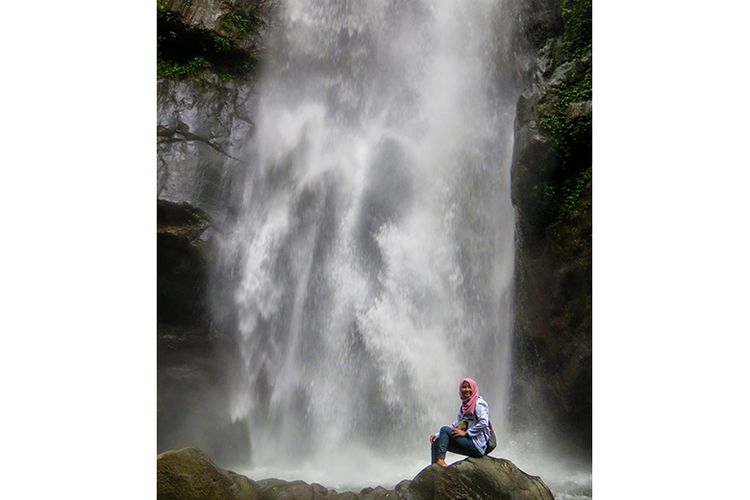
x=238 y=24
x=184 y=51
x=552 y=186
x=189 y=474
x=565 y=115
x=577 y=21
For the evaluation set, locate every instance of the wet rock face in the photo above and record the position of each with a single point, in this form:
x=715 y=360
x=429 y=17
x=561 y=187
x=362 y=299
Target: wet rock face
x=182 y=264
x=192 y=389
x=207 y=14
x=208 y=55
x=551 y=189
x=188 y=473
x=202 y=131
x=538 y=21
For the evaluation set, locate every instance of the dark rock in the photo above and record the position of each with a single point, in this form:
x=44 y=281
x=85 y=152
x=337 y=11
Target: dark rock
x=287 y=490
x=204 y=122
x=579 y=109
x=551 y=191
x=192 y=397
x=277 y=489
x=477 y=478
x=552 y=347
x=192 y=389
x=205 y=115
x=569 y=72
x=539 y=21
x=378 y=493
x=207 y=14
x=182 y=264
x=403 y=485
x=202 y=128
x=535 y=160
x=188 y=474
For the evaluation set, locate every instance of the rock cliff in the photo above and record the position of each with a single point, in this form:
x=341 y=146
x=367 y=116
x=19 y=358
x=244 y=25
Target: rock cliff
x=191 y=389
x=551 y=190
x=208 y=57
x=203 y=126
x=209 y=54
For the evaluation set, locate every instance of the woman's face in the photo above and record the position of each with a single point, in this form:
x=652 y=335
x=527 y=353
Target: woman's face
x=465 y=390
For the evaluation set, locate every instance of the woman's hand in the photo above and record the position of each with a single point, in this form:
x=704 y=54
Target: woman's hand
x=433 y=438
x=458 y=432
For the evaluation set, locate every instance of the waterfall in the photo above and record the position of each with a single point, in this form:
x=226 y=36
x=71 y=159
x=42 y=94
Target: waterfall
x=370 y=266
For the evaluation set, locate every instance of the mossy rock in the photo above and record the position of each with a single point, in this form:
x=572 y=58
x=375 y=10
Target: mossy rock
x=188 y=474
x=197 y=40
x=478 y=478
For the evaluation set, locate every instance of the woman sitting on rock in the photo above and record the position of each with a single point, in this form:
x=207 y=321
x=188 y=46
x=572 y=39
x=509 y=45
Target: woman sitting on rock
x=470 y=433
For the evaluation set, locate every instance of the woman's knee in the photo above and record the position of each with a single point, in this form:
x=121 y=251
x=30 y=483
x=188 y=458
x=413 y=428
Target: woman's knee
x=446 y=429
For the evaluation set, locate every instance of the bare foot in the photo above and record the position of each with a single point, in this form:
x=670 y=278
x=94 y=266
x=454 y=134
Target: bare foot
x=441 y=462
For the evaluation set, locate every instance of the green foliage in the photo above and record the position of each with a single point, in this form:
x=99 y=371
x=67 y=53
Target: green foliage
x=558 y=202
x=576 y=16
x=179 y=71
x=563 y=117
x=222 y=43
x=570 y=131
x=557 y=197
x=238 y=24
x=184 y=51
x=571 y=229
x=577 y=92
x=197 y=218
x=572 y=191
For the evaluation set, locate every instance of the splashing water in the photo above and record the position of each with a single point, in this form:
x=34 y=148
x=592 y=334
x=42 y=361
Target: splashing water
x=373 y=254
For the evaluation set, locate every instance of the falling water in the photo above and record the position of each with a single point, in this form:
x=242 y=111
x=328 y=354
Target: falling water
x=373 y=254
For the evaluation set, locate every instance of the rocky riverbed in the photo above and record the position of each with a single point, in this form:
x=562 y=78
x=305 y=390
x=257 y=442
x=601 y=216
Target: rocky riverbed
x=188 y=474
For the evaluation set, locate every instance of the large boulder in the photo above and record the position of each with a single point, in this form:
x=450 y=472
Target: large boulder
x=277 y=489
x=477 y=478
x=188 y=474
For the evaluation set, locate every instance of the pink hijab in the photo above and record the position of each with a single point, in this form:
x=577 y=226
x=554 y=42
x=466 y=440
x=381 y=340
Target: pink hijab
x=469 y=404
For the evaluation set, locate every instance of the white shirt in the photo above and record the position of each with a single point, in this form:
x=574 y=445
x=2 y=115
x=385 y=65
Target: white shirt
x=478 y=424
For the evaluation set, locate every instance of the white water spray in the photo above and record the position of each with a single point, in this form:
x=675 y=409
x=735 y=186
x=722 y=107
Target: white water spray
x=373 y=255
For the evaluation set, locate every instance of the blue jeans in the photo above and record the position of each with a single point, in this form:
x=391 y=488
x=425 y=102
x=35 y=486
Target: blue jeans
x=461 y=445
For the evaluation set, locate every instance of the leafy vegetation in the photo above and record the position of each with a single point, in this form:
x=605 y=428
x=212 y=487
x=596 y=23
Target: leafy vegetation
x=567 y=198
x=180 y=71
x=570 y=130
x=576 y=16
x=565 y=117
x=197 y=218
x=238 y=24
x=184 y=51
